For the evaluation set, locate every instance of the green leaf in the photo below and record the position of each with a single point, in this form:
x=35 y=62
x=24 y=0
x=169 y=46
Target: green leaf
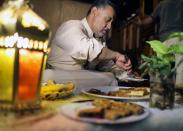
x=145 y=58
x=176 y=49
x=168 y=58
x=143 y=66
x=178 y=35
x=163 y=60
x=158 y=46
x=145 y=72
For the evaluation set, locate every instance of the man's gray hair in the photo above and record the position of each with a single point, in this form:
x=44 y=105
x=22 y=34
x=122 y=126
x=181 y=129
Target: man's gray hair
x=103 y=3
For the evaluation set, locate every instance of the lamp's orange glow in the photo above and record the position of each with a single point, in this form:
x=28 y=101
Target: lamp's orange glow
x=29 y=74
x=23 y=52
x=30 y=63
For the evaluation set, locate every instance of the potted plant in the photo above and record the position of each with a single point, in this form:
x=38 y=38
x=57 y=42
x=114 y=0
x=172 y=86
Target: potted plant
x=161 y=68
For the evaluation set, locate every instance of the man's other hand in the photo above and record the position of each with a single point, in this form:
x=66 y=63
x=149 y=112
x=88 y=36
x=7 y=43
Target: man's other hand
x=122 y=61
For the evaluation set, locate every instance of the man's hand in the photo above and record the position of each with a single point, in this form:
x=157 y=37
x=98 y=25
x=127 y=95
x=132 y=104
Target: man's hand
x=123 y=62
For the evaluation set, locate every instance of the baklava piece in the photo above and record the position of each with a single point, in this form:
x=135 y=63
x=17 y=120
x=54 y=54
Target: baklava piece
x=95 y=112
x=96 y=91
x=115 y=114
x=103 y=103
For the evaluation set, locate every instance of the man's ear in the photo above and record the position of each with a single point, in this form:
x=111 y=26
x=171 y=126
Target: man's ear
x=94 y=10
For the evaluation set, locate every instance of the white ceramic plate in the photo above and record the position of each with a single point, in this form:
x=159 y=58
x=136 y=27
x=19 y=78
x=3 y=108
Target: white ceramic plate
x=133 y=79
x=125 y=77
x=71 y=111
x=111 y=88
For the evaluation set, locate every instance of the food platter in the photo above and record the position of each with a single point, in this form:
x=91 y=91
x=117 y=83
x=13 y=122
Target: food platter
x=133 y=79
x=56 y=90
x=129 y=77
x=71 y=111
x=111 y=88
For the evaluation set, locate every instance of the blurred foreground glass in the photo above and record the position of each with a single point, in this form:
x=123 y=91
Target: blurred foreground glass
x=24 y=39
x=162 y=91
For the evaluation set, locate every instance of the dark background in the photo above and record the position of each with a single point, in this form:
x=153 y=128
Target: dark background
x=127 y=7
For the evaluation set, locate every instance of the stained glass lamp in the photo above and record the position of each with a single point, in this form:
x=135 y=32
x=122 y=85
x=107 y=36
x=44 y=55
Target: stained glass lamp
x=24 y=38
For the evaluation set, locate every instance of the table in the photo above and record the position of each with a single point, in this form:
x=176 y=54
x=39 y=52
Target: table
x=53 y=120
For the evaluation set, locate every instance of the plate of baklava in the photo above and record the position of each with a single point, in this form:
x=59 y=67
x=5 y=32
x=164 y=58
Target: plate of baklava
x=119 y=93
x=52 y=90
x=105 y=111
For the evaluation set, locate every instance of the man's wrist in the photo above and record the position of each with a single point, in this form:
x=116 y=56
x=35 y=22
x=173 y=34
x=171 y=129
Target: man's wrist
x=117 y=55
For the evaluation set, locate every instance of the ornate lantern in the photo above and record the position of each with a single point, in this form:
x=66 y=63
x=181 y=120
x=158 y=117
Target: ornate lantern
x=24 y=39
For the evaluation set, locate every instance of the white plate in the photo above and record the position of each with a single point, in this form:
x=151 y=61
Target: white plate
x=126 y=77
x=133 y=79
x=71 y=111
x=112 y=88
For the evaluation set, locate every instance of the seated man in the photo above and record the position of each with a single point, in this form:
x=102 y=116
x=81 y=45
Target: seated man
x=80 y=44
